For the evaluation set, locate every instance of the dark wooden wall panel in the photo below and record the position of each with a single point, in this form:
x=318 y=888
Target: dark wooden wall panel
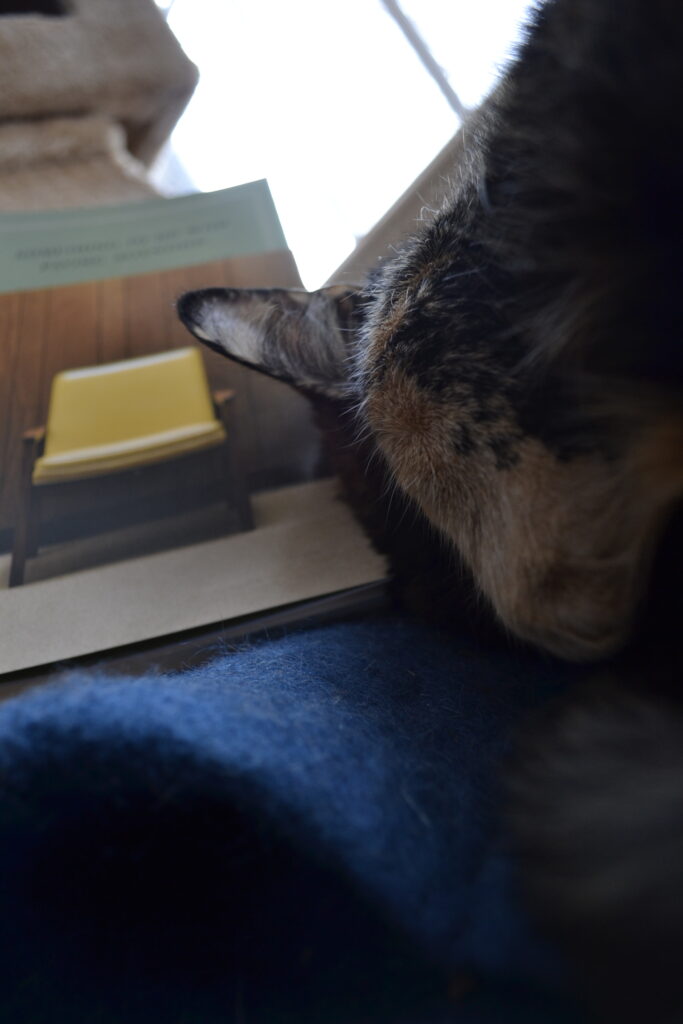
x=24 y=403
x=146 y=330
x=9 y=343
x=70 y=333
x=111 y=318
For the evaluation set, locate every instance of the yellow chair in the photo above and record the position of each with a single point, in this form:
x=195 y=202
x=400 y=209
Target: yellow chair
x=119 y=417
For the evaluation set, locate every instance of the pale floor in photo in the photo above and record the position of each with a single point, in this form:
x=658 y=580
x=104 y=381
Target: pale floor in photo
x=306 y=543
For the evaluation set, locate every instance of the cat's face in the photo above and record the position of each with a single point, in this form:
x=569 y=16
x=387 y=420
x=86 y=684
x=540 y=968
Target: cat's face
x=558 y=539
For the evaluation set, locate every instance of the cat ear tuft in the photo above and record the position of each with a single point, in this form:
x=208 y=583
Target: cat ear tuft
x=304 y=338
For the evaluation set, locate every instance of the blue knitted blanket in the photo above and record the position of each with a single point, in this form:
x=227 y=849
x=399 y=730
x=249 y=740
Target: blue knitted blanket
x=304 y=829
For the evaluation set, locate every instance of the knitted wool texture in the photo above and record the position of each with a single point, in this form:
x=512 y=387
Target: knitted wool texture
x=303 y=829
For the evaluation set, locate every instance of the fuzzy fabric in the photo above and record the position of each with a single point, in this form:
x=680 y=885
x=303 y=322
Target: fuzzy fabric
x=67 y=161
x=301 y=830
x=117 y=59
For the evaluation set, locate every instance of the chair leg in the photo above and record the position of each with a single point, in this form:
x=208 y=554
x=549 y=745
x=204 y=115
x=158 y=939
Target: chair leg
x=22 y=541
x=26 y=529
x=34 y=523
x=238 y=494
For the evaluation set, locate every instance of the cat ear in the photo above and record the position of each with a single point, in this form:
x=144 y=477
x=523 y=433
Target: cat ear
x=304 y=338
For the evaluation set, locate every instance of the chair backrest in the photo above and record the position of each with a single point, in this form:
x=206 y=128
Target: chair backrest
x=117 y=402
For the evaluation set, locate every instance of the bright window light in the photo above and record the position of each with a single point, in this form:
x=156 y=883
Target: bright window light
x=472 y=40
x=330 y=104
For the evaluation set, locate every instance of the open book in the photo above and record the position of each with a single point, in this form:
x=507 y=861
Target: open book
x=155 y=547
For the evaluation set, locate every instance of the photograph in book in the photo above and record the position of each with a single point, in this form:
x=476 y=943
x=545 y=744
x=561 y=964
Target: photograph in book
x=147 y=485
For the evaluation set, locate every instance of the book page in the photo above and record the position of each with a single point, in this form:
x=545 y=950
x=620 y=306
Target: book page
x=120 y=556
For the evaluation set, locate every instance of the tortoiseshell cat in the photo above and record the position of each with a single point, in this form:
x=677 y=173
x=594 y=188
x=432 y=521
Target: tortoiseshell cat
x=513 y=377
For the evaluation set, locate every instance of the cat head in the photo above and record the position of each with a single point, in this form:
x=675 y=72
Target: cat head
x=558 y=539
